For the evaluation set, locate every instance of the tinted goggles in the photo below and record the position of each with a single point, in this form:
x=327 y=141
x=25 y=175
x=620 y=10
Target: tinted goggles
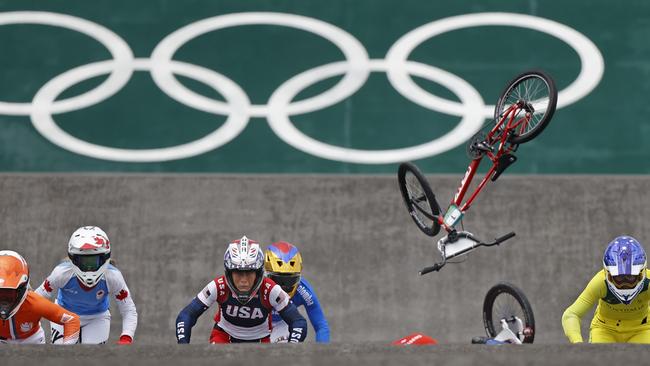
x=287 y=281
x=8 y=296
x=626 y=281
x=89 y=263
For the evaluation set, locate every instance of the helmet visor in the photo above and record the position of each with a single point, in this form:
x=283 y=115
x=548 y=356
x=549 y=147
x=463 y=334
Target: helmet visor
x=288 y=281
x=9 y=299
x=626 y=281
x=89 y=263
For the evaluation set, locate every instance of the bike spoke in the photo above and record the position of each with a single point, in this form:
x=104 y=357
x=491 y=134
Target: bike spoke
x=533 y=91
x=506 y=307
x=417 y=197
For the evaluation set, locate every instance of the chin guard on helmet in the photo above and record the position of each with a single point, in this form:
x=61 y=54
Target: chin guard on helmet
x=283 y=264
x=625 y=268
x=244 y=255
x=89 y=251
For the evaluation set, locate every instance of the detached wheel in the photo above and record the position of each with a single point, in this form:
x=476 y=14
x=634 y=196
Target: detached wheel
x=507 y=302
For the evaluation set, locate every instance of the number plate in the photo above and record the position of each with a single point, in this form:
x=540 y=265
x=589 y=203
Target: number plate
x=452 y=216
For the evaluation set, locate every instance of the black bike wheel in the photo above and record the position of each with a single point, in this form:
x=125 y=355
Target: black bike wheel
x=536 y=89
x=506 y=301
x=419 y=199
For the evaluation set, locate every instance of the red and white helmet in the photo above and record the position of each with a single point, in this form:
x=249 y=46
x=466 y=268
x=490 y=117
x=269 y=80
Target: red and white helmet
x=244 y=255
x=89 y=250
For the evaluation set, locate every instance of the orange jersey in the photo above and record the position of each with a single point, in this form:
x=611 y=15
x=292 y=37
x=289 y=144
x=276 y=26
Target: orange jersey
x=26 y=321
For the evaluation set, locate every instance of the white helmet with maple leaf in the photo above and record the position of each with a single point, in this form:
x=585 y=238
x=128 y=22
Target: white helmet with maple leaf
x=89 y=250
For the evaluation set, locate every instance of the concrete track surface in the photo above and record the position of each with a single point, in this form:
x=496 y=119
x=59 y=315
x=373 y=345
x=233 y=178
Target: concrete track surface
x=362 y=251
x=325 y=355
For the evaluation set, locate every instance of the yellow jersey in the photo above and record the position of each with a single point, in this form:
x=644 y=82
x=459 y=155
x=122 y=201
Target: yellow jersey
x=611 y=313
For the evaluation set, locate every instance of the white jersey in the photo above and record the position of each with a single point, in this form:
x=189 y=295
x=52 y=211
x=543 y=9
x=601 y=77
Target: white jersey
x=249 y=321
x=89 y=302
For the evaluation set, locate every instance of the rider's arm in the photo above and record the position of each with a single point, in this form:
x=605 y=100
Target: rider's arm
x=314 y=312
x=188 y=316
x=53 y=282
x=120 y=292
x=574 y=313
x=279 y=300
x=59 y=315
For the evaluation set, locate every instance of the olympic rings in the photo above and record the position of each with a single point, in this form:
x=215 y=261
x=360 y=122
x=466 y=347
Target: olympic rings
x=236 y=122
x=471 y=122
x=350 y=46
x=280 y=106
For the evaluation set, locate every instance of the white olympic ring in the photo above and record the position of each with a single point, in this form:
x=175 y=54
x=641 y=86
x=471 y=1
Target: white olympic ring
x=590 y=58
x=119 y=49
x=236 y=122
x=356 y=69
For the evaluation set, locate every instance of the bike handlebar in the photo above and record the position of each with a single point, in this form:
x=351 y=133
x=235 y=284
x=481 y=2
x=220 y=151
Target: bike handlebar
x=435 y=267
x=500 y=240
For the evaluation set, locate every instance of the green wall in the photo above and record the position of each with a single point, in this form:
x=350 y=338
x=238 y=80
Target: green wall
x=604 y=132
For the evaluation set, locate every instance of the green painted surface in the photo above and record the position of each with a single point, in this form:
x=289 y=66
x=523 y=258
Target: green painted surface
x=605 y=132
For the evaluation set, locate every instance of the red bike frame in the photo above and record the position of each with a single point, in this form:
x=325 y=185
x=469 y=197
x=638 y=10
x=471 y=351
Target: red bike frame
x=492 y=138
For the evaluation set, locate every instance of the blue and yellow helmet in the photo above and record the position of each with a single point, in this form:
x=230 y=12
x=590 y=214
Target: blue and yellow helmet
x=283 y=264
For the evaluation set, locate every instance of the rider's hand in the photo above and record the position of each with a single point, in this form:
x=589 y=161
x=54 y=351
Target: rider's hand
x=283 y=339
x=125 y=339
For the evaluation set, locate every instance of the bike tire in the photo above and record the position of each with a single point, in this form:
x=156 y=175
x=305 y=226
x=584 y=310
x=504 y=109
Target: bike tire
x=419 y=198
x=509 y=292
x=526 y=86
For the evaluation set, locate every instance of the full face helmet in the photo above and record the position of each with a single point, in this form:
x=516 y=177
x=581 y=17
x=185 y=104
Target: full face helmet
x=244 y=255
x=89 y=250
x=283 y=264
x=14 y=283
x=625 y=264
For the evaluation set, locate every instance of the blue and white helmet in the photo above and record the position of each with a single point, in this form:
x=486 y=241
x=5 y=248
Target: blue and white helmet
x=625 y=263
x=244 y=255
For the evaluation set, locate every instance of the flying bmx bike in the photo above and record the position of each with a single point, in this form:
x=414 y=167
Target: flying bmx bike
x=523 y=110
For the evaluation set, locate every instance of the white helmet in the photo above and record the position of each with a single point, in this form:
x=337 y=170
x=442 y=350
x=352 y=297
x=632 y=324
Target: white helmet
x=89 y=250
x=244 y=255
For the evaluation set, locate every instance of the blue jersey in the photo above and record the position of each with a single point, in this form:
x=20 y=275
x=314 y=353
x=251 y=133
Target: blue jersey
x=83 y=301
x=305 y=296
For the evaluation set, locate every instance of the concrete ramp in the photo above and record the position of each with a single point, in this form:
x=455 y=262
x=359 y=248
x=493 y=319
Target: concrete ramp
x=356 y=354
x=362 y=251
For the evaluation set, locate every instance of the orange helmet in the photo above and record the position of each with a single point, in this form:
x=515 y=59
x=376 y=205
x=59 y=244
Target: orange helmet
x=14 y=281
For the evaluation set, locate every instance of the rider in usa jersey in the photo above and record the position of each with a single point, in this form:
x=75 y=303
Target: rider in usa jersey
x=86 y=283
x=283 y=264
x=245 y=300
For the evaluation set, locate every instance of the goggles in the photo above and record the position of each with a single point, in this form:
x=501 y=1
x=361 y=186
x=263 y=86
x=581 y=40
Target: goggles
x=625 y=281
x=9 y=299
x=288 y=281
x=89 y=263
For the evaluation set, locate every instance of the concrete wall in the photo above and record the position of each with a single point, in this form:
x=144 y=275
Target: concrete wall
x=361 y=250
